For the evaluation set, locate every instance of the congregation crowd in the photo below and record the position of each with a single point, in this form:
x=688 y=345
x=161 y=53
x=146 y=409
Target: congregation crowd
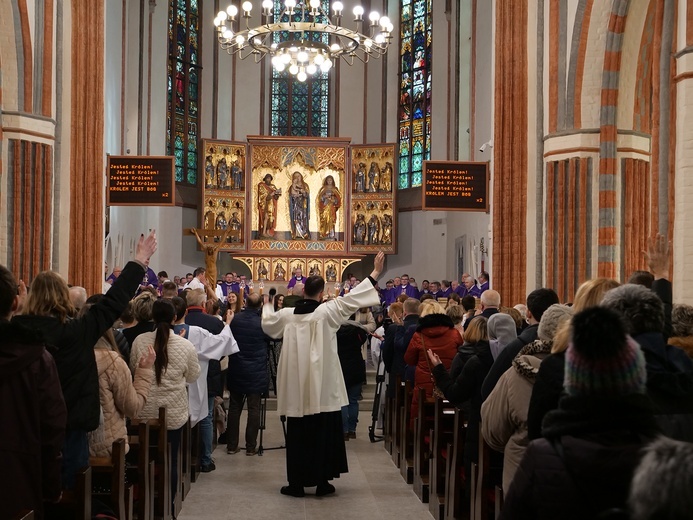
x=586 y=402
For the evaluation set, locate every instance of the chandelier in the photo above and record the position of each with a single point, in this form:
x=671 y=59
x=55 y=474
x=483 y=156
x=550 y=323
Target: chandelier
x=304 y=38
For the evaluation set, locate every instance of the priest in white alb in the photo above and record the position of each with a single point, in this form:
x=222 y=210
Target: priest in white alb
x=310 y=386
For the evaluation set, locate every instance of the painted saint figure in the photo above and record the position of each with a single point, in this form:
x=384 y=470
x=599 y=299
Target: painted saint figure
x=329 y=201
x=386 y=178
x=386 y=237
x=360 y=178
x=235 y=226
x=267 y=196
x=222 y=172
x=360 y=229
x=209 y=172
x=221 y=221
x=315 y=270
x=279 y=273
x=373 y=177
x=331 y=273
x=236 y=176
x=261 y=271
x=299 y=207
x=374 y=230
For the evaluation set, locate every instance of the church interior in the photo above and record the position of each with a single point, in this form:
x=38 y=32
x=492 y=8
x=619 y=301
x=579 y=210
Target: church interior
x=575 y=111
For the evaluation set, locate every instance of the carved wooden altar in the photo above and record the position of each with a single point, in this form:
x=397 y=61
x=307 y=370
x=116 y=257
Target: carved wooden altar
x=315 y=203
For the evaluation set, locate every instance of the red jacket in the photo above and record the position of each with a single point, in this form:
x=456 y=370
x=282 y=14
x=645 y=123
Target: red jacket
x=435 y=332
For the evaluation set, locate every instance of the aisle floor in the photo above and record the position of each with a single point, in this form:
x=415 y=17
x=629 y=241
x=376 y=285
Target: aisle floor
x=248 y=487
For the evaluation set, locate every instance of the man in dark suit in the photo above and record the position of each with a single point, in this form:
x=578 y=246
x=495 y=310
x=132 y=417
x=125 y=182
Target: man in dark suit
x=196 y=316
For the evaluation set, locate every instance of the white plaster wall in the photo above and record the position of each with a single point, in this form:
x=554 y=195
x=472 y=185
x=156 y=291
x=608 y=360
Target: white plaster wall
x=8 y=57
x=464 y=100
x=113 y=77
x=247 y=113
x=533 y=159
x=630 y=54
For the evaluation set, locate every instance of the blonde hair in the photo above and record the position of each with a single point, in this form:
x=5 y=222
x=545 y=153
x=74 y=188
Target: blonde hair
x=514 y=314
x=589 y=294
x=477 y=330
x=142 y=306
x=456 y=313
x=430 y=307
x=396 y=309
x=49 y=296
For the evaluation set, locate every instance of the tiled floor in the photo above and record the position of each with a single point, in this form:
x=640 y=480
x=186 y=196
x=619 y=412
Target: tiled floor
x=248 y=487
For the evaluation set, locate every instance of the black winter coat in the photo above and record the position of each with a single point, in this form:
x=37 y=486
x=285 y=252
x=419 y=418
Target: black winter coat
x=32 y=422
x=247 y=372
x=601 y=440
x=546 y=393
x=197 y=316
x=72 y=345
x=349 y=341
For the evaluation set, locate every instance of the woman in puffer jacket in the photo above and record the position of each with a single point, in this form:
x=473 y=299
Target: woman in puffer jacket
x=434 y=332
x=119 y=396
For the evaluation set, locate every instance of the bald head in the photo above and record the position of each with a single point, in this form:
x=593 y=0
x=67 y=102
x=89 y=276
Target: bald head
x=490 y=299
x=78 y=296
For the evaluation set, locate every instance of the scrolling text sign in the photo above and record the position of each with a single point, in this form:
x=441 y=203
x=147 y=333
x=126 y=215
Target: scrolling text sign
x=141 y=181
x=455 y=186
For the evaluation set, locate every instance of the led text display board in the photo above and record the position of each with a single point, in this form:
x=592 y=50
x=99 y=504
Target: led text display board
x=455 y=186
x=141 y=181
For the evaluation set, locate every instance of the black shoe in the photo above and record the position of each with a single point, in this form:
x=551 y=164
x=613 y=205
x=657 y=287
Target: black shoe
x=352 y=435
x=232 y=451
x=324 y=489
x=293 y=491
x=346 y=436
x=207 y=468
x=251 y=452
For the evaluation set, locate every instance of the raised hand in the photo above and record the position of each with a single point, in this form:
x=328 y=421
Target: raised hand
x=378 y=264
x=21 y=296
x=433 y=358
x=658 y=256
x=148 y=358
x=229 y=317
x=146 y=247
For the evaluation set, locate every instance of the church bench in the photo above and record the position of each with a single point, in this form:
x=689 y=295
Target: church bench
x=457 y=507
x=75 y=503
x=442 y=434
x=25 y=515
x=388 y=430
x=108 y=481
x=488 y=495
x=406 y=449
x=140 y=470
x=195 y=448
x=186 y=459
x=422 y=445
x=396 y=422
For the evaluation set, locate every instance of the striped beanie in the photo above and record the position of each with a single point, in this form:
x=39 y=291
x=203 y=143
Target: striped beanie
x=601 y=358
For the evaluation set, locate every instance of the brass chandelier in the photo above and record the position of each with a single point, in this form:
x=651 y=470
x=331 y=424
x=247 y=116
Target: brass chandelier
x=304 y=38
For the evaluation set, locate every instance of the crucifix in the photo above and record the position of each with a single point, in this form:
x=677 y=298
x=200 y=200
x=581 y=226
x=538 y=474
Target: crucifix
x=211 y=250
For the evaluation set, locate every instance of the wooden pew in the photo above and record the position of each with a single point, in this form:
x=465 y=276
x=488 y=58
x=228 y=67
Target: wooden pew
x=186 y=460
x=422 y=446
x=108 y=480
x=388 y=430
x=487 y=496
x=75 y=503
x=159 y=452
x=25 y=515
x=140 y=469
x=406 y=449
x=441 y=436
x=396 y=420
x=195 y=453
x=456 y=506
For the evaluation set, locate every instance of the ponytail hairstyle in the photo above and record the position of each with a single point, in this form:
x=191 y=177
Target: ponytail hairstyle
x=163 y=314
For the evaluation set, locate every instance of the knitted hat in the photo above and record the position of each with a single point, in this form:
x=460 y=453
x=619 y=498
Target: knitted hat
x=601 y=358
x=552 y=319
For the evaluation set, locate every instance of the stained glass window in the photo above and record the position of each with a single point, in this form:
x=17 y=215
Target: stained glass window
x=183 y=87
x=299 y=108
x=415 y=91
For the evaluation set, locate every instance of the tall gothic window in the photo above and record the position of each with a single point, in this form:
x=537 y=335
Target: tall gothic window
x=415 y=91
x=184 y=71
x=299 y=108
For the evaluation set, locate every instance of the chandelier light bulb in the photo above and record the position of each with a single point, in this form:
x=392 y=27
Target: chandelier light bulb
x=228 y=34
x=384 y=22
x=247 y=6
x=217 y=22
x=302 y=76
x=293 y=69
x=326 y=65
x=319 y=59
x=335 y=47
x=380 y=38
x=240 y=40
x=358 y=12
x=267 y=4
x=221 y=15
x=311 y=69
x=286 y=58
x=337 y=7
x=290 y=4
x=315 y=4
x=390 y=27
x=368 y=43
x=302 y=56
x=232 y=10
x=280 y=67
x=374 y=16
